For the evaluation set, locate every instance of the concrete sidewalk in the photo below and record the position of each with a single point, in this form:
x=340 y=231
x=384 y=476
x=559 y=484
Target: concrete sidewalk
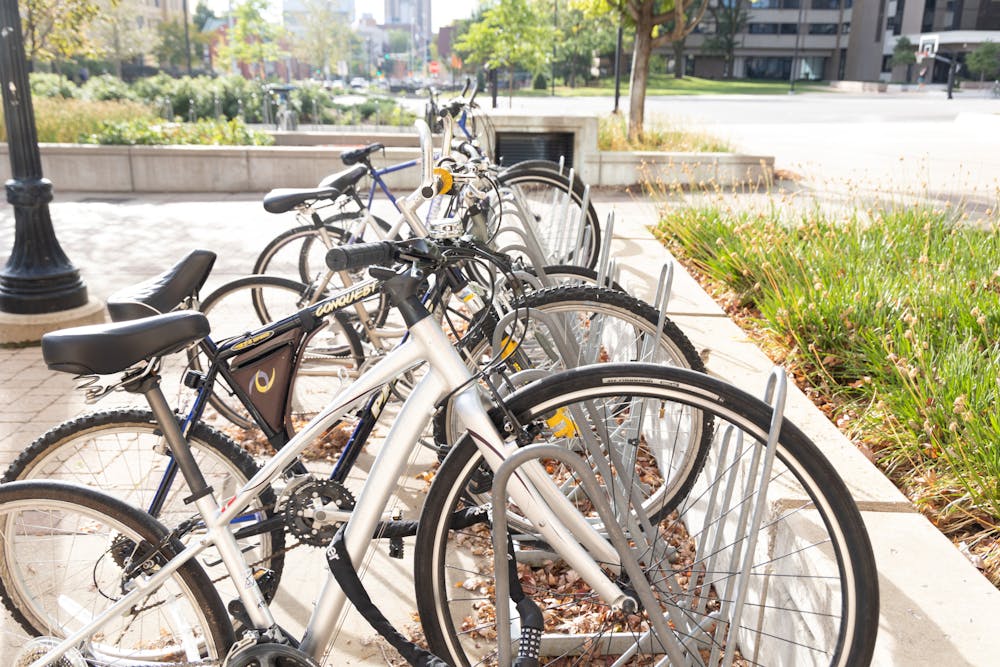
x=936 y=608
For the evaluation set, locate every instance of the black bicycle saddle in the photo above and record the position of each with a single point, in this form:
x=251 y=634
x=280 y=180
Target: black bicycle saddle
x=103 y=349
x=164 y=292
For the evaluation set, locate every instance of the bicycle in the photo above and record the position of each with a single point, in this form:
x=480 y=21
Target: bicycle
x=540 y=186
x=138 y=558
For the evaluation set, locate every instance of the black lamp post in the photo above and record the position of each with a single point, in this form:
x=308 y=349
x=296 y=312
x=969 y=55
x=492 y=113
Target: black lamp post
x=38 y=277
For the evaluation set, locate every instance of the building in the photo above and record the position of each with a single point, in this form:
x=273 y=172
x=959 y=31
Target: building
x=414 y=16
x=842 y=39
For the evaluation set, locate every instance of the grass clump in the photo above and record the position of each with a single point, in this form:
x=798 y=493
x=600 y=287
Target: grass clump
x=612 y=135
x=893 y=316
x=203 y=132
x=60 y=120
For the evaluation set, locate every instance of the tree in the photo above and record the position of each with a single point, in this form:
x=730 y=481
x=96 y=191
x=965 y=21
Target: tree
x=171 y=47
x=985 y=61
x=581 y=39
x=120 y=33
x=326 y=37
x=57 y=29
x=511 y=34
x=656 y=23
x=252 y=40
x=730 y=18
x=903 y=53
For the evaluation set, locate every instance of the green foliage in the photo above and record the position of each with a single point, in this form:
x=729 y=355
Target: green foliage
x=45 y=84
x=325 y=37
x=540 y=82
x=253 y=40
x=893 y=314
x=65 y=121
x=106 y=87
x=157 y=133
x=903 y=53
x=985 y=60
x=511 y=34
x=57 y=29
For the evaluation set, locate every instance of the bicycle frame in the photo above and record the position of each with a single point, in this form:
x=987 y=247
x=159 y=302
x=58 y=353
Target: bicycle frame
x=550 y=511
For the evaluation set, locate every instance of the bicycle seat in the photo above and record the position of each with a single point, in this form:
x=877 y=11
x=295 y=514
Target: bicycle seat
x=103 y=349
x=281 y=200
x=164 y=292
x=358 y=154
x=342 y=180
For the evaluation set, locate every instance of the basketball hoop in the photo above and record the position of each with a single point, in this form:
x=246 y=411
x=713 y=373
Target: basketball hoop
x=926 y=53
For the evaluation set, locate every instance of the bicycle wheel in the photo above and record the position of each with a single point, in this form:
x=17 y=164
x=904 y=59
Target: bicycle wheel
x=575 y=325
x=806 y=565
x=557 y=214
x=332 y=355
x=122 y=452
x=302 y=250
x=69 y=552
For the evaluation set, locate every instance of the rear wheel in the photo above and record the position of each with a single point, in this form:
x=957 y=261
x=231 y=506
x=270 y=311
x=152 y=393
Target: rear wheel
x=69 y=553
x=123 y=453
x=809 y=581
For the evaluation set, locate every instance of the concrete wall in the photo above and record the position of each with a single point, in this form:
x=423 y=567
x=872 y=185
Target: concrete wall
x=305 y=158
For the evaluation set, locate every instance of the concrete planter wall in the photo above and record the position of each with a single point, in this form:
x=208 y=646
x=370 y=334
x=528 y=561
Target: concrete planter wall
x=302 y=159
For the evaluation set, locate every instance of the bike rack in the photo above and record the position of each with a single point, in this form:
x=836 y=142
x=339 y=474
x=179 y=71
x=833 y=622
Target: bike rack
x=744 y=525
x=615 y=534
x=713 y=540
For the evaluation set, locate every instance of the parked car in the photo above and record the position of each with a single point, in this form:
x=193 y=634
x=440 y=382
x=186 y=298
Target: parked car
x=359 y=83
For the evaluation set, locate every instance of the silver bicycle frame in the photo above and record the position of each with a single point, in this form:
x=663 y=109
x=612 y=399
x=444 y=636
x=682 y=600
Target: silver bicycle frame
x=553 y=516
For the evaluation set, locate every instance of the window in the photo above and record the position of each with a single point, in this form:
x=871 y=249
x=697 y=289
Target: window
x=789 y=4
x=763 y=28
x=768 y=68
x=845 y=29
x=788 y=28
x=825 y=4
x=822 y=28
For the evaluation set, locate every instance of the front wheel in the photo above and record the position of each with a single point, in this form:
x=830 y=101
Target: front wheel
x=806 y=566
x=67 y=553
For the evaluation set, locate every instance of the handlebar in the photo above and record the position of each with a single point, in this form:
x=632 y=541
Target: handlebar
x=360 y=256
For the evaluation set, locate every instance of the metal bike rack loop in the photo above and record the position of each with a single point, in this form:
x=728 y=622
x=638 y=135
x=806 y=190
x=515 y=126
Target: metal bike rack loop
x=619 y=541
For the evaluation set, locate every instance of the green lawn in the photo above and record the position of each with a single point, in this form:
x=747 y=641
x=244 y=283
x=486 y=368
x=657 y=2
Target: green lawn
x=664 y=84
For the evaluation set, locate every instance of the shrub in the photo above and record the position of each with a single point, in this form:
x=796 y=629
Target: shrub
x=106 y=87
x=45 y=84
x=68 y=121
x=148 y=132
x=541 y=83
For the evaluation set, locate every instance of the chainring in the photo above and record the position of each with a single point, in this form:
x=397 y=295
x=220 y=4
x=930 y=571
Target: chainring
x=270 y=655
x=306 y=497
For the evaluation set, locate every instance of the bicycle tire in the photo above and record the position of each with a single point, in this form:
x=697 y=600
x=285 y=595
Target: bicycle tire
x=624 y=324
x=308 y=264
x=334 y=352
x=64 y=548
x=122 y=453
x=543 y=188
x=813 y=591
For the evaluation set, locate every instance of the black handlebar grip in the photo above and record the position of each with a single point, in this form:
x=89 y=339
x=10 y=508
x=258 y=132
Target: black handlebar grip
x=426 y=192
x=475 y=91
x=465 y=88
x=360 y=256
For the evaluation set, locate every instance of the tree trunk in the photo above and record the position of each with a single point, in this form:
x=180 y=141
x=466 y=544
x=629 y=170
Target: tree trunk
x=510 y=89
x=638 y=82
x=678 y=59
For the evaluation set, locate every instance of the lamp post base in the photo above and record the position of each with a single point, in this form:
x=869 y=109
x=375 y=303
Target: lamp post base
x=18 y=330
x=38 y=277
